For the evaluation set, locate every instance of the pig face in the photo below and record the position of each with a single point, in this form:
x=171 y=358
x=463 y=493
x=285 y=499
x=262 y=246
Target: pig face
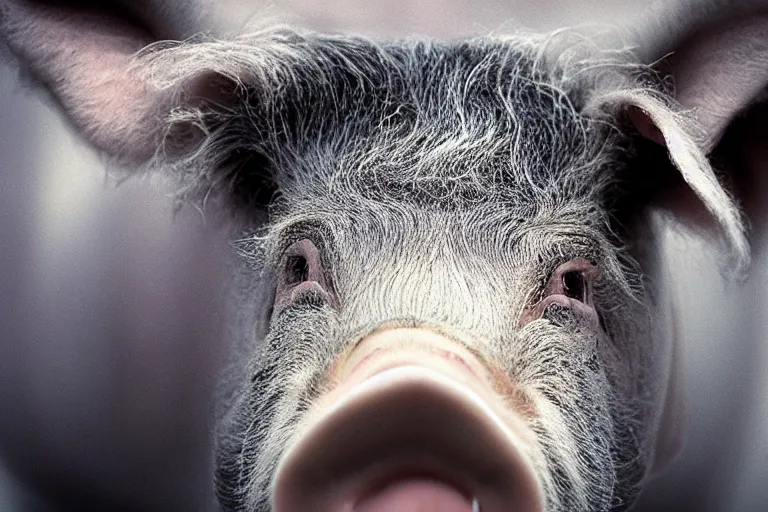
x=538 y=334
x=443 y=295
x=440 y=224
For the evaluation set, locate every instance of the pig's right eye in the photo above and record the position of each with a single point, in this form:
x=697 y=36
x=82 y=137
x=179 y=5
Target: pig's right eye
x=301 y=276
x=296 y=269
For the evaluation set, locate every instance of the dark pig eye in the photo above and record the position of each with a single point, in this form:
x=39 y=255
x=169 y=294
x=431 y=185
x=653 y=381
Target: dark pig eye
x=296 y=269
x=573 y=279
x=570 y=288
x=301 y=276
x=574 y=285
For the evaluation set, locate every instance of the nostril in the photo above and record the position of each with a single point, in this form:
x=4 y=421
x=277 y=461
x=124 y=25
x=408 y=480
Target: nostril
x=415 y=494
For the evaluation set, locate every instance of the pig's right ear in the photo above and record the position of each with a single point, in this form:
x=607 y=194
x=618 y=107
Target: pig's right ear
x=82 y=53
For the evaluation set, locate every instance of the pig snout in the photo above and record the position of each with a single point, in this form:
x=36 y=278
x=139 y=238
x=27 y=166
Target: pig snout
x=413 y=423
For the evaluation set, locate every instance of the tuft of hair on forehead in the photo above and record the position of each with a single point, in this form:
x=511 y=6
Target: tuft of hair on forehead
x=452 y=120
x=523 y=119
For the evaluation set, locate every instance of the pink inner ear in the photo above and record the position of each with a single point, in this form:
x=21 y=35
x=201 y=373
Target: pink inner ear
x=720 y=70
x=212 y=88
x=645 y=125
x=85 y=60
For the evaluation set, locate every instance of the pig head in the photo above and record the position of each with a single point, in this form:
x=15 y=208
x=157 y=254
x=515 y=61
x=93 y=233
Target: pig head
x=445 y=292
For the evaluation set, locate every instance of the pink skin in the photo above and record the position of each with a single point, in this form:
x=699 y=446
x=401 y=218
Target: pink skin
x=433 y=496
x=397 y=385
x=373 y=355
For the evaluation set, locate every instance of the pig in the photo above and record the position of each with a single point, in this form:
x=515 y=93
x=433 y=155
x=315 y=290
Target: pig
x=445 y=290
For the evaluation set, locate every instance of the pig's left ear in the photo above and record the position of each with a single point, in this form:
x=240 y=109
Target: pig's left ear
x=714 y=53
x=82 y=53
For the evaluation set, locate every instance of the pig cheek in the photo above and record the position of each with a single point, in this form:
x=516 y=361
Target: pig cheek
x=515 y=398
x=300 y=342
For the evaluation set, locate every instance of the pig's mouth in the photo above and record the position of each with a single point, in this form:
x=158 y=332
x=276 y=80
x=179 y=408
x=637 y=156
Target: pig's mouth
x=414 y=425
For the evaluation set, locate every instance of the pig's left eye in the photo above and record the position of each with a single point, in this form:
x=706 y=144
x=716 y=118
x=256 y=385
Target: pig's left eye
x=574 y=285
x=570 y=286
x=574 y=280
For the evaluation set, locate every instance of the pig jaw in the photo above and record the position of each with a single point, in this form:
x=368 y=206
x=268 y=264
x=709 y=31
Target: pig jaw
x=414 y=421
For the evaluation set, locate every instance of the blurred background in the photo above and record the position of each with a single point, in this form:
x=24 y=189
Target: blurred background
x=113 y=410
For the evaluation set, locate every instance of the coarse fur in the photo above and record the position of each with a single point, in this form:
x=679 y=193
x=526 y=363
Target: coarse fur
x=443 y=182
x=291 y=85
